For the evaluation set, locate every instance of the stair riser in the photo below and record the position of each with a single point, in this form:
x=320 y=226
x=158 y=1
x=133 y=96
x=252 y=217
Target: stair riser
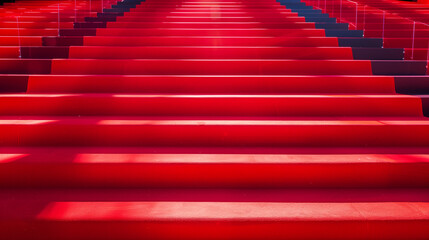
x=208 y=53
x=23 y=41
x=225 y=53
x=278 y=25
x=234 y=67
x=416 y=54
x=221 y=10
x=9 y=52
x=36 y=25
x=406 y=42
x=215 y=18
x=47 y=19
x=118 y=105
x=396 y=34
x=194 y=133
x=213 y=7
x=210 y=32
x=264 y=14
x=204 y=84
x=11 y=66
x=216 y=175
x=214 y=41
x=28 y=32
x=243 y=229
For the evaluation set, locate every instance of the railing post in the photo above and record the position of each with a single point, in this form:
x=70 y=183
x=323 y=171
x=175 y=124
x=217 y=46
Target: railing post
x=427 y=50
x=413 y=40
x=356 y=14
x=75 y=9
x=59 y=23
x=384 y=21
x=364 y=20
x=356 y=20
x=427 y=56
x=19 y=37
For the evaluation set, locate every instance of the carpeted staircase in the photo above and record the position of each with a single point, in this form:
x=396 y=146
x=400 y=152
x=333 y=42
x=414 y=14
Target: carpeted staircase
x=208 y=119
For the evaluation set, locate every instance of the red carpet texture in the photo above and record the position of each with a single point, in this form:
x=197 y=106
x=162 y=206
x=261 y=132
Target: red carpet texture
x=213 y=120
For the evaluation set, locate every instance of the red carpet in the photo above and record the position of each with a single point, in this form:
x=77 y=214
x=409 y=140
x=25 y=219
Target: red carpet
x=207 y=119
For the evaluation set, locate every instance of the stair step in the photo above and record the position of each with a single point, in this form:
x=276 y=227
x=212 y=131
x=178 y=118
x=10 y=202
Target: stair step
x=211 y=7
x=183 y=24
x=215 y=67
x=249 y=132
x=22 y=40
x=214 y=220
x=24 y=66
x=205 y=84
x=220 y=10
x=397 y=33
x=412 y=84
x=257 y=15
x=177 y=13
x=212 y=119
x=406 y=42
x=212 y=18
x=209 y=52
x=378 y=53
x=39 y=25
x=218 y=67
x=9 y=51
x=125 y=32
x=210 y=105
x=29 y=32
x=211 y=41
x=183 y=167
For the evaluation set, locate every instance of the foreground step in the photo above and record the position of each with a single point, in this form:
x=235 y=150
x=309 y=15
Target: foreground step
x=132 y=131
x=213 y=167
x=262 y=214
x=210 y=105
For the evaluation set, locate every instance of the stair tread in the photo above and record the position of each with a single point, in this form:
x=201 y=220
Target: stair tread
x=217 y=211
x=220 y=121
x=171 y=155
